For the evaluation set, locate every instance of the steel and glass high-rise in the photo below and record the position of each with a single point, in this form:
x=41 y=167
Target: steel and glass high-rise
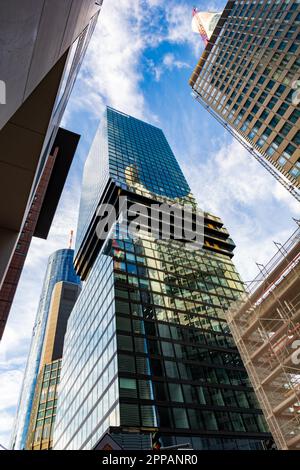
x=60 y=268
x=147 y=345
x=248 y=78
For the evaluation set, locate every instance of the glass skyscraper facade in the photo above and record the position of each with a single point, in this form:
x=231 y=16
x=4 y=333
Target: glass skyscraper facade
x=60 y=268
x=44 y=407
x=147 y=345
x=43 y=412
x=248 y=76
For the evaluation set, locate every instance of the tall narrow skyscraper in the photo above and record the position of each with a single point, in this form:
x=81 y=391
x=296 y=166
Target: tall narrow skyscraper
x=147 y=345
x=60 y=268
x=43 y=413
x=248 y=78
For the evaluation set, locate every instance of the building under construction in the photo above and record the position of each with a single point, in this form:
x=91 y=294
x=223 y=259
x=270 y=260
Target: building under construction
x=247 y=78
x=265 y=326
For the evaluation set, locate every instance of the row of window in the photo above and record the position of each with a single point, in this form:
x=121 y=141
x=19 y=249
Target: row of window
x=198 y=420
x=169 y=369
x=183 y=282
x=212 y=443
x=88 y=427
x=170 y=255
x=171 y=302
x=186 y=393
x=194 y=314
x=180 y=352
x=211 y=332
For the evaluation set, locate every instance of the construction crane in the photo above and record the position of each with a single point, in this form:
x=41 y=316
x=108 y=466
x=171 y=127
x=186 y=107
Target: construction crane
x=204 y=22
x=71 y=239
x=198 y=27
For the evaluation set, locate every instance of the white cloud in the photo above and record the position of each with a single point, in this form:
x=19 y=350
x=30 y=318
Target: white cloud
x=179 y=19
x=253 y=206
x=169 y=62
x=110 y=73
x=6 y=422
x=9 y=391
x=10 y=382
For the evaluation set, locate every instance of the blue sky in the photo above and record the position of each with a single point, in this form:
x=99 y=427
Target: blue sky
x=139 y=61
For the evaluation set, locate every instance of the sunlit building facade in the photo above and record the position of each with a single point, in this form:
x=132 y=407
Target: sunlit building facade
x=43 y=413
x=59 y=268
x=147 y=345
x=248 y=78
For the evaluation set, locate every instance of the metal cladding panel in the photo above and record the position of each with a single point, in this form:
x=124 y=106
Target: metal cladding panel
x=66 y=144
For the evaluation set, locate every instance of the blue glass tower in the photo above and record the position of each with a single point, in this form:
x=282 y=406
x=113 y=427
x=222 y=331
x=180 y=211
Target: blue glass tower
x=147 y=345
x=59 y=268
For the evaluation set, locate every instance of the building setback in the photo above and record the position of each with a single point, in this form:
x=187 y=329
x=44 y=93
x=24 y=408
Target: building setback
x=248 y=79
x=40 y=215
x=43 y=411
x=147 y=345
x=60 y=268
x=43 y=43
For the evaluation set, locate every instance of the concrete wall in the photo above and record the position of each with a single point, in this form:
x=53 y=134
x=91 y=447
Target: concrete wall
x=34 y=34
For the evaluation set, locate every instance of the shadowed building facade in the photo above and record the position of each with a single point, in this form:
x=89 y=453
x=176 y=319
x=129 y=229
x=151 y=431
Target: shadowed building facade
x=40 y=215
x=248 y=79
x=43 y=43
x=147 y=345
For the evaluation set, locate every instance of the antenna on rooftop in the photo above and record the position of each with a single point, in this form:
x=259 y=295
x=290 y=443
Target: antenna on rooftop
x=71 y=239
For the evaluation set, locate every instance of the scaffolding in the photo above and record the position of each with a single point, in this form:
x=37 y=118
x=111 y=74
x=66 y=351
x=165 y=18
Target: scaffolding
x=266 y=328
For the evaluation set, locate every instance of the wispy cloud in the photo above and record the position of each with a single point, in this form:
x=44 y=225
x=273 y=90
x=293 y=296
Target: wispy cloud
x=231 y=184
x=168 y=63
x=10 y=383
x=179 y=20
x=112 y=72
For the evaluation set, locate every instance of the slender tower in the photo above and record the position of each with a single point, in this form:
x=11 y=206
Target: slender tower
x=43 y=411
x=60 y=268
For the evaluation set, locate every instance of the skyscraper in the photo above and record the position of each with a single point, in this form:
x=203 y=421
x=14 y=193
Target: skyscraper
x=60 y=268
x=248 y=79
x=43 y=411
x=42 y=45
x=147 y=345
